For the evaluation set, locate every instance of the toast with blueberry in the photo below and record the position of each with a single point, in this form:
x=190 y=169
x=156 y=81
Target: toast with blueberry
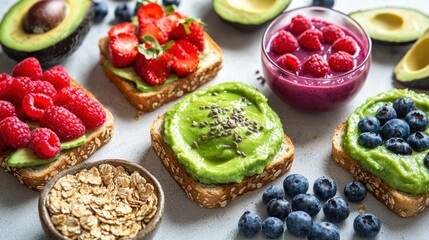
x=165 y=56
x=384 y=144
x=48 y=123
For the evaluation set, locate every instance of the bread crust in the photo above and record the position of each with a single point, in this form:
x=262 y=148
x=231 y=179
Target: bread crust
x=214 y=196
x=146 y=102
x=36 y=177
x=403 y=204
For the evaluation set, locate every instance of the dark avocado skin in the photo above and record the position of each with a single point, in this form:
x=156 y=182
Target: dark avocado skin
x=56 y=53
x=422 y=83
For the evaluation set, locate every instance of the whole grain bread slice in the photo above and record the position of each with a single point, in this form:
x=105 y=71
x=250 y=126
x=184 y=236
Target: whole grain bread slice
x=213 y=196
x=36 y=177
x=403 y=204
x=146 y=102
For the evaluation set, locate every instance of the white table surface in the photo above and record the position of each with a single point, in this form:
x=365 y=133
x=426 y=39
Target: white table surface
x=183 y=219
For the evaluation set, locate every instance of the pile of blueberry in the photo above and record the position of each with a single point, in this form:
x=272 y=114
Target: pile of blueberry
x=399 y=127
x=297 y=216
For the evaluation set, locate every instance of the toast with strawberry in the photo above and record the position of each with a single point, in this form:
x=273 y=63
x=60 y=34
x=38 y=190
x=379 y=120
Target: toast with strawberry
x=48 y=123
x=158 y=59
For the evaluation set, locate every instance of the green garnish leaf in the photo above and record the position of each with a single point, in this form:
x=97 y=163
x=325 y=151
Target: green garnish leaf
x=170 y=9
x=150 y=47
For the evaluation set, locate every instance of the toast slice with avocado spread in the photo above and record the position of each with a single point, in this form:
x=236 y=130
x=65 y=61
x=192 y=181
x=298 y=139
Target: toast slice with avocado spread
x=154 y=97
x=221 y=142
x=403 y=204
x=75 y=152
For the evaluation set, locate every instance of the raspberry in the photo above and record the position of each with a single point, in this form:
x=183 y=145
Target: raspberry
x=57 y=76
x=44 y=87
x=5 y=77
x=29 y=67
x=34 y=104
x=14 y=132
x=19 y=87
x=341 y=61
x=284 y=42
x=346 y=44
x=7 y=109
x=65 y=124
x=299 y=24
x=316 y=65
x=289 y=62
x=45 y=143
x=332 y=33
x=5 y=93
x=311 y=40
x=90 y=112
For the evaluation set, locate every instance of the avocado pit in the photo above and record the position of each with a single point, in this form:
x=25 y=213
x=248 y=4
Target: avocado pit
x=388 y=21
x=44 y=16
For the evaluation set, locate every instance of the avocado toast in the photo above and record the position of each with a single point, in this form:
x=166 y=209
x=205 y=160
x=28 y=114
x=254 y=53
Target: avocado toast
x=396 y=175
x=222 y=142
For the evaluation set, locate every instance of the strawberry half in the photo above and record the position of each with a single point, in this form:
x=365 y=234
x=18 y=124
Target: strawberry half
x=149 y=11
x=184 y=57
x=123 y=50
x=190 y=30
x=158 y=28
x=125 y=27
x=154 y=71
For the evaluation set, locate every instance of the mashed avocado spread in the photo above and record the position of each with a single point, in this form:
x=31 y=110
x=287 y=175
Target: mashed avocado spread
x=223 y=133
x=405 y=173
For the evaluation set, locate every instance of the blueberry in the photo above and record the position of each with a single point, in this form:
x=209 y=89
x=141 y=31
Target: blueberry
x=426 y=160
x=403 y=105
x=324 y=3
x=418 y=141
x=279 y=208
x=100 y=11
x=299 y=223
x=417 y=120
x=295 y=184
x=370 y=140
x=367 y=225
x=395 y=128
x=170 y=2
x=398 y=146
x=324 y=187
x=324 y=231
x=272 y=192
x=123 y=13
x=307 y=203
x=249 y=224
x=355 y=191
x=272 y=227
x=385 y=113
x=369 y=124
x=336 y=209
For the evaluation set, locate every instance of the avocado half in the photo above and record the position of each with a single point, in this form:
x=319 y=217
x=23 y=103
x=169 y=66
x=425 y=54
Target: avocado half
x=413 y=69
x=51 y=47
x=392 y=25
x=249 y=15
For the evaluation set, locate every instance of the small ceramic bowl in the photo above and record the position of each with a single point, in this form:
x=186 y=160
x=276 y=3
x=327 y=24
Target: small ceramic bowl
x=308 y=92
x=146 y=233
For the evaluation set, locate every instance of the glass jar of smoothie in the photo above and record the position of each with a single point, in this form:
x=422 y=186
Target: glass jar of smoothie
x=302 y=89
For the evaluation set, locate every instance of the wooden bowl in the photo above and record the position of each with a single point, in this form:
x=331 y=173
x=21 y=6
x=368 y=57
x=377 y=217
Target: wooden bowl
x=146 y=233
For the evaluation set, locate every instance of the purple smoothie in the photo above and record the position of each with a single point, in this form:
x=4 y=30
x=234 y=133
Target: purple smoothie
x=305 y=91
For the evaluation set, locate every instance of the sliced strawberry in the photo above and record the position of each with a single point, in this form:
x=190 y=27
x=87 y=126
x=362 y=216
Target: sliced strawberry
x=149 y=11
x=154 y=71
x=123 y=50
x=125 y=27
x=156 y=28
x=184 y=57
x=190 y=30
x=176 y=16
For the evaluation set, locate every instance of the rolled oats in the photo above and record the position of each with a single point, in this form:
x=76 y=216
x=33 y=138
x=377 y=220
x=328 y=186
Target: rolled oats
x=104 y=202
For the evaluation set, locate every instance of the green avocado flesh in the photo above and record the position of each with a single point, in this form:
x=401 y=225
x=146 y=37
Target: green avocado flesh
x=223 y=133
x=392 y=24
x=413 y=68
x=405 y=173
x=249 y=12
x=12 y=32
x=25 y=157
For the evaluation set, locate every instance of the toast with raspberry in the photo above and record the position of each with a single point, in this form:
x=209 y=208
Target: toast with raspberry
x=38 y=113
x=163 y=44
